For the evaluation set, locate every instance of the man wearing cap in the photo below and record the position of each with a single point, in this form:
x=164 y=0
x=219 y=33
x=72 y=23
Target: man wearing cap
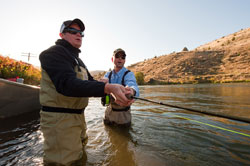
x=66 y=85
x=117 y=114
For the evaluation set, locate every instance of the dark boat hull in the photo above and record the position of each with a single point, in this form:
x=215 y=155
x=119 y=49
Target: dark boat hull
x=17 y=98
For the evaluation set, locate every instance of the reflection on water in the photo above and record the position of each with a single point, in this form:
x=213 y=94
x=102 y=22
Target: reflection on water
x=21 y=141
x=226 y=98
x=158 y=136
x=121 y=143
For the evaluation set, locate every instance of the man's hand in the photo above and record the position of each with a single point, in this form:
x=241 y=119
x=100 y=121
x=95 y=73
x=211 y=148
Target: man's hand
x=105 y=80
x=130 y=92
x=119 y=93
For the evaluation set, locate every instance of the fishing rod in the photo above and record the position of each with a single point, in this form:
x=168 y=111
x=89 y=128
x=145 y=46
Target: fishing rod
x=246 y=120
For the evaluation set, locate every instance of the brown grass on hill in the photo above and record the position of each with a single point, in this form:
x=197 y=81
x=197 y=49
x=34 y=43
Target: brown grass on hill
x=224 y=60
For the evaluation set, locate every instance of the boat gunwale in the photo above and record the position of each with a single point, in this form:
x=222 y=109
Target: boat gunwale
x=18 y=84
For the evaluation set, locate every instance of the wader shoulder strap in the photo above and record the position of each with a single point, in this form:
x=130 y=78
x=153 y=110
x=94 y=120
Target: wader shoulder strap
x=110 y=76
x=124 y=77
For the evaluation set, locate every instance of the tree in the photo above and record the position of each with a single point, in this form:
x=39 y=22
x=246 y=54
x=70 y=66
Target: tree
x=185 y=49
x=139 y=78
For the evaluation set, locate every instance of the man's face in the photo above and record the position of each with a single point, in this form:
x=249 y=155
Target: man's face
x=74 y=39
x=119 y=60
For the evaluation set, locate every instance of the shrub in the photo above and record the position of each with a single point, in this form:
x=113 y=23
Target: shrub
x=185 y=49
x=139 y=78
x=10 y=68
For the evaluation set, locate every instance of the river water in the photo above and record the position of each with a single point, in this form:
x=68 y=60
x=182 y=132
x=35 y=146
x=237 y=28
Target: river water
x=159 y=135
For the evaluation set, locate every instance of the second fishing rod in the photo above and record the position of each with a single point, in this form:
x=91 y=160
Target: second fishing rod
x=217 y=114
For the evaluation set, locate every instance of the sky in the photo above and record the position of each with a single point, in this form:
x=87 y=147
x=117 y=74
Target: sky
x=143 y=28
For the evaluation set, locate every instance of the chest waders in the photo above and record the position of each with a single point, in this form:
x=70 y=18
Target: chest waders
x=114 y=113
x=63 y=122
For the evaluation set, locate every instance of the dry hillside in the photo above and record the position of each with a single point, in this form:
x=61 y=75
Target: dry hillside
x=224 y=60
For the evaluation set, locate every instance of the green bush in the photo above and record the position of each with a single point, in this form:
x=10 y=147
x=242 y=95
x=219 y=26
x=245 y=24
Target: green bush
x=139 y=78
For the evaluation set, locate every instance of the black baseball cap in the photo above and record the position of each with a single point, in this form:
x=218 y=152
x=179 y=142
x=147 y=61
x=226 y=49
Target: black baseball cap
x=67 y=23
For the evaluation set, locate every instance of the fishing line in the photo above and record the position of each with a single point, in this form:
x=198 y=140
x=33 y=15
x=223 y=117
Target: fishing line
x=204 y=112
x=207 y=124
x=232 y=131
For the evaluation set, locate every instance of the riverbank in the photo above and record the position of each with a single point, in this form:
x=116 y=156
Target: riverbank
x=213 y=79
x=199 y=80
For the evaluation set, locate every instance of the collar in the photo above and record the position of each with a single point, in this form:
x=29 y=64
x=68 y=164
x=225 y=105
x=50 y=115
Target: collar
x=67 y=45
x=120 y=72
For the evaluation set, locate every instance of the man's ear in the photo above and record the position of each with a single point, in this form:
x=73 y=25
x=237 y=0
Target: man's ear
x=112 y=59
x=61 y=35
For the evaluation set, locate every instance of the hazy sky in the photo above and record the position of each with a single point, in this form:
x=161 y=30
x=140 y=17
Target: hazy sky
x=143 y=28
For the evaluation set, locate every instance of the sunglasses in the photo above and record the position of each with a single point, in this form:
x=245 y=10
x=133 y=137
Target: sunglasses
x=73 y=31
x=120 y=56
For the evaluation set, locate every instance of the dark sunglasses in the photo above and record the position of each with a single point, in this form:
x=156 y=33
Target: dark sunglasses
x=73 y=31
x=120 y=56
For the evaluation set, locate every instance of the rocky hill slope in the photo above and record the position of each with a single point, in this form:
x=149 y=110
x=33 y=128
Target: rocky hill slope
x=224 y=60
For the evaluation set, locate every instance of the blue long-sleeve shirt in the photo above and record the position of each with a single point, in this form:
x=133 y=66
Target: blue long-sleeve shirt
x=129 y=79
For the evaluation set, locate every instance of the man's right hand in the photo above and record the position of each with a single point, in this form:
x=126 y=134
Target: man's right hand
x=105 y=80
x=119 y=93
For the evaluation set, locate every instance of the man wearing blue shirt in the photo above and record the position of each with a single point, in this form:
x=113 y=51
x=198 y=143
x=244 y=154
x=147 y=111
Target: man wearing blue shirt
x=114 y=113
